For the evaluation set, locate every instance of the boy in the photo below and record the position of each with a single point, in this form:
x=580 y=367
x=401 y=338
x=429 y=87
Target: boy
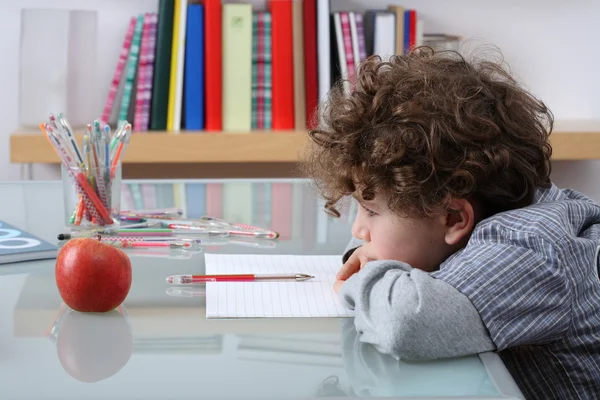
x=461 y=243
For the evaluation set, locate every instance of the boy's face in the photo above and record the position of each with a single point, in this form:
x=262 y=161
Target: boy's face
x=421 y=243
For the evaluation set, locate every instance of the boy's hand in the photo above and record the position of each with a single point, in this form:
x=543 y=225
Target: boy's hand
x=359 y=258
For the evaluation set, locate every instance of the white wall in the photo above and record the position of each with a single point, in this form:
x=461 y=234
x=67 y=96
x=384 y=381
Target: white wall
x=549 y=44
x=113 y=17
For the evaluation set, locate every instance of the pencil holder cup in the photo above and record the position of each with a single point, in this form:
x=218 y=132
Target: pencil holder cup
x=92 y=197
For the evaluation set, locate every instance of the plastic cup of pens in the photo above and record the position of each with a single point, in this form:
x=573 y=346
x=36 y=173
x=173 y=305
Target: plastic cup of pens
x=91 y=174
x=92 y=197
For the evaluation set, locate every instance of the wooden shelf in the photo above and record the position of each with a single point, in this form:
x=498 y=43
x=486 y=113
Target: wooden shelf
x=184 y=148
x=571 y=140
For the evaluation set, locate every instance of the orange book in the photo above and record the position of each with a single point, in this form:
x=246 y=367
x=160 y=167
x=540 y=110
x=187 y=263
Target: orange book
x=282 y=64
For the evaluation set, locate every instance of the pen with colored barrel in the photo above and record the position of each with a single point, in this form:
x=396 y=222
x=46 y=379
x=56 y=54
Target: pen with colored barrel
x=222 y=232
x=191 y=279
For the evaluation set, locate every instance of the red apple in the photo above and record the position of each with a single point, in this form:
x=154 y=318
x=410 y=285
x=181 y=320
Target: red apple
x=92 y=276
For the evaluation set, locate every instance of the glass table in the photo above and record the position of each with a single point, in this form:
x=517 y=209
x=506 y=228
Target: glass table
x=159 y=344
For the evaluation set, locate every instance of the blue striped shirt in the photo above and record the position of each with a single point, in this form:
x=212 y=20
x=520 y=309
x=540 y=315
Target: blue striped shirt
x=532 y=274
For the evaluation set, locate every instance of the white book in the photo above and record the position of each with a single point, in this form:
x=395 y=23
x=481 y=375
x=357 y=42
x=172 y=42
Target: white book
x=323 y=48
x=385 y=34
x=419 y=33
x=339 y=37
x=354 y=34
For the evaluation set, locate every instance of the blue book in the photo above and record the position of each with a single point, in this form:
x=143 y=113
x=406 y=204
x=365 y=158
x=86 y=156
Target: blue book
x=193 y=96
x=17 y=245
x=406 y=31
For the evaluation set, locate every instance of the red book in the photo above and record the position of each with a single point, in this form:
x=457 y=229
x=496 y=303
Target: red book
x=212 y=67
x=282 y=64
x=311 y=83
x=412 y=38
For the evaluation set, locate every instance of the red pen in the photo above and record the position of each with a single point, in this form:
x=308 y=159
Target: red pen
x=191 y=279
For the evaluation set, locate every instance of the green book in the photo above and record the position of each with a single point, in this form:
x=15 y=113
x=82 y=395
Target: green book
x=132 y=63
x=162 y=66
x=237 y=67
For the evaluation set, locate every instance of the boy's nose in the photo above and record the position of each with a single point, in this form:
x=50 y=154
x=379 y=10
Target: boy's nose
x=359 y=231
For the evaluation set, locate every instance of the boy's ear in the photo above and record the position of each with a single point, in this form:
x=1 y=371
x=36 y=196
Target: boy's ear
x=460 y=222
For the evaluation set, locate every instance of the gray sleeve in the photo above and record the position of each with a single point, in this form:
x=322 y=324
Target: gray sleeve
x=405 y=312
x=352 y=245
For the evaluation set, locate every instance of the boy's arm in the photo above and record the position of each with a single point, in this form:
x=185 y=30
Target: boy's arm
x=407 y=313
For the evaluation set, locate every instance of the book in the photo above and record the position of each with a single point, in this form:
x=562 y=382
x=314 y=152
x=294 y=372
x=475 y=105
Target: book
x=261 y=70
x=399 y=13
x=213 y=64
x=193 y=99
x=177 y=67
x=131 y=68
x=17 y=245
x=119 y=69
x=162 y=66
x=298 y=71
x=145 y=72
x=282 y=64
x=237 y=67
x=311 y=80
x=323 y=48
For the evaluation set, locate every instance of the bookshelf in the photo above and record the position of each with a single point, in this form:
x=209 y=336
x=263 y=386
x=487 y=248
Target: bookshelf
x=269 y=154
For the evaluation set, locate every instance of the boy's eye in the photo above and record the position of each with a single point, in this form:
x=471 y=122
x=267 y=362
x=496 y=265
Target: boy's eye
x=370 y=213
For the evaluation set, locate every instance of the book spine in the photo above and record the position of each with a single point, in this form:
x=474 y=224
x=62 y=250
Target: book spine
x=116 y=80
x=180 y=66
x=348 y=52
x=311 y=80
x=324 y=47
x=267 y=76
x=131 y=67
x=237 y=67
x=261 y=77
x=257 y=103
x=213 y=64
x=150 y=57
x=160 y=85
x=354 y=36
x=406 y=31
x=399 y=40
x=412 y=41
x=282 y=64
x=194 y=68
x=360 y=33
x=142 y=75
x=298 y=62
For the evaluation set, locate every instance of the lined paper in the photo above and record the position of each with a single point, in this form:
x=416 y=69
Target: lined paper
x=309 y=299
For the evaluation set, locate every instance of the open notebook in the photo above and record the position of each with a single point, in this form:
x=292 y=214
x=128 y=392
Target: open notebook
x=312 y=298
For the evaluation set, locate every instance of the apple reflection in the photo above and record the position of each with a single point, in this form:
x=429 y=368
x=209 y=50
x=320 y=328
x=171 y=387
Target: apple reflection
x=93 y=346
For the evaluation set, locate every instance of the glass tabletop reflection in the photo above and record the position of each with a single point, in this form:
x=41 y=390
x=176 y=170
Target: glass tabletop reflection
x=158 y=343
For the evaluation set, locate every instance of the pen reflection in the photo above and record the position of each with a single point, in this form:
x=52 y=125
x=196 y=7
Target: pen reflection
x=92 y=346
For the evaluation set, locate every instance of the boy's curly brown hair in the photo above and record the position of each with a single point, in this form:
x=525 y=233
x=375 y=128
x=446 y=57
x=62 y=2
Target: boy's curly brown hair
x=428 y=127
